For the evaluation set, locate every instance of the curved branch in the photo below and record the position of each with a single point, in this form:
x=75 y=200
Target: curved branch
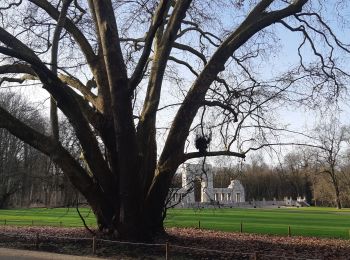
x=72 y=29
x=11 y=4
x=185 y=64
x=15 y=44
x=191 y=50
x=17 y=68
x=202 y=34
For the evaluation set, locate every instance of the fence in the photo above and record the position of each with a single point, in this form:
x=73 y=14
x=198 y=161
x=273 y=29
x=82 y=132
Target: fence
x=32 y=222
x=163 y=250
x=242 y=227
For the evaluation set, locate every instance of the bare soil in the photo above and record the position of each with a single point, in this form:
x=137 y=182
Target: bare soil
x=183 y=243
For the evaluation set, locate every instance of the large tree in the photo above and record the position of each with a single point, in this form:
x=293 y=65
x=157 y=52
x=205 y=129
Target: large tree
x=112 y=67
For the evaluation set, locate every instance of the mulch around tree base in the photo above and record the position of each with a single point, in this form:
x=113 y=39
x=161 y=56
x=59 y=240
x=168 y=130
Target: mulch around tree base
x=184 y=243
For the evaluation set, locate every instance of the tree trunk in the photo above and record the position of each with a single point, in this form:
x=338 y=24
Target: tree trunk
x=147 y=221
x=337 y=198
x=155 y=202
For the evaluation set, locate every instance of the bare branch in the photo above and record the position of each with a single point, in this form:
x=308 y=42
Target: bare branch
x=72 y=29
x=223 y=106
x=184 y=63
x=12 y=4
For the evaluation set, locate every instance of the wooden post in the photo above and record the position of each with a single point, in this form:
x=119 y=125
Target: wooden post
x=241 y=227
x=37 y=241
x=166 y=251
x=289 y=232
x=60 y=223
x=94 y=245
x=199 y=224
x=32 y=222
x=5 y=223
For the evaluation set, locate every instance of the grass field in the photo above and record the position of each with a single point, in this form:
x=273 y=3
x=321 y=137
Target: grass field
x=65 y=217
x=320 y=222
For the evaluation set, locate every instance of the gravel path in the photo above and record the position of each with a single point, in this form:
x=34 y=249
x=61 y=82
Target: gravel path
x=16 y=254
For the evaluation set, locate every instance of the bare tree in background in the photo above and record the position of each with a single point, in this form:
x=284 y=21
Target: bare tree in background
x=18 y=161
x=125 y=67
x=333 y=140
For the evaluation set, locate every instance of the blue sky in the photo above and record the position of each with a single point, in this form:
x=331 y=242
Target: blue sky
x=298 y=118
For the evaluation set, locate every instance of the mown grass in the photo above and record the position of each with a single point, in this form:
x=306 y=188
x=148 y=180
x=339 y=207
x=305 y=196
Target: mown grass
x=319 y=222
x=65 y=217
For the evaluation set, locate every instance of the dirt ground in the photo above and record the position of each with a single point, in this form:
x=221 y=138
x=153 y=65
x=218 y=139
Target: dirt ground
x=182 y=244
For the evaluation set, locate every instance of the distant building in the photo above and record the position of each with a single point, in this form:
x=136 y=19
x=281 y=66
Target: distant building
x=197 y=187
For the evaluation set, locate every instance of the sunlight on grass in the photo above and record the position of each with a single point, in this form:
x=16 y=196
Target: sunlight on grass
x=319 y=222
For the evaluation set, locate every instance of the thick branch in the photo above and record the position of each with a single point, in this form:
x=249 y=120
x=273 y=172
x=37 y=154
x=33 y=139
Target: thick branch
x=160 y=61
x=71 y=168
x=70 y=108
x=188 y=156
x=44 y=144
x=116 y=69
x=158 y=19
x=17 y=68
x=54 y=54
x=18 y=80
x=191 y=50
x=77 y=84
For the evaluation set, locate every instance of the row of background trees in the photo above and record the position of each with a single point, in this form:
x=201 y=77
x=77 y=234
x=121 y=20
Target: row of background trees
x=28 y=177
x=300 y=173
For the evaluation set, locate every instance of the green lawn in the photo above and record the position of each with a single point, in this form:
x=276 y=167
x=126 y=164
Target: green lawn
x=321 y=222
x=66 y=217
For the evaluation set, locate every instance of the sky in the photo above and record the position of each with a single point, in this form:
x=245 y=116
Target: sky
x=297 y=118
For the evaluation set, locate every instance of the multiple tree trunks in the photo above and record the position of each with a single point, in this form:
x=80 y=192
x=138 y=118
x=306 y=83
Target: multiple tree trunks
x=119 y=172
